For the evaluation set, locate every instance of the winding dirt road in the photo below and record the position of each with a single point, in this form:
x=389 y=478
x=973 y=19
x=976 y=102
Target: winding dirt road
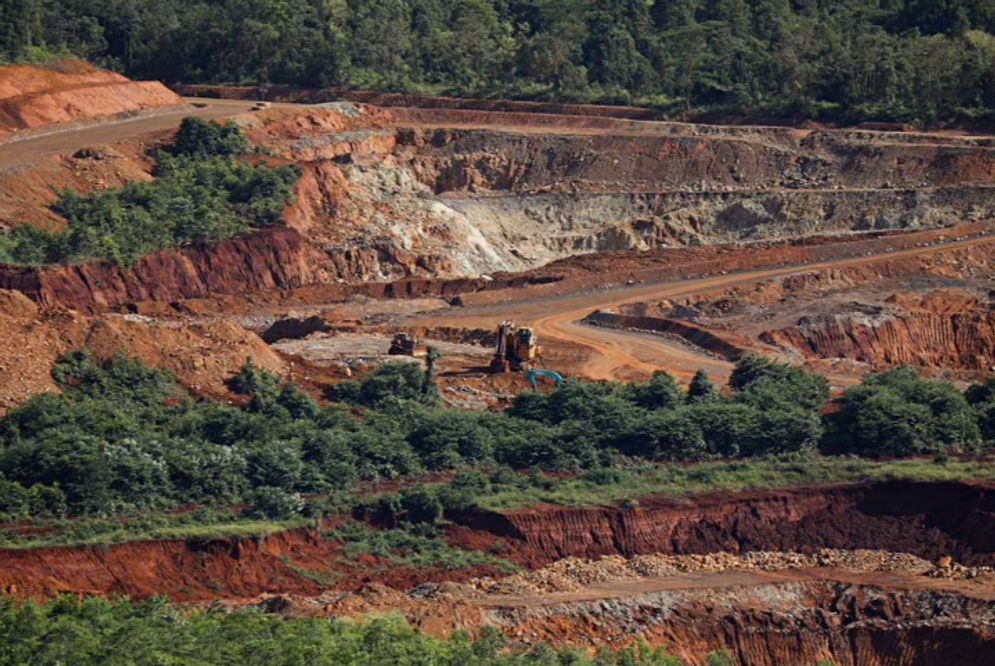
x=602 y=353
x=29 y=146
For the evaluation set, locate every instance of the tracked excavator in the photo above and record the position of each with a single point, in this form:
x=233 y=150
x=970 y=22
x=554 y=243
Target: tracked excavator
x=516 y=348
x=532 y=373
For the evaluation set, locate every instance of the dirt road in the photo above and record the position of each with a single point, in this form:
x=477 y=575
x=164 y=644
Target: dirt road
x=724 y=580
x=618 y=354
x=28 y=147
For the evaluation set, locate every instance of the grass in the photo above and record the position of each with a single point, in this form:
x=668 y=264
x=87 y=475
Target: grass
x=410 y=546
x=197 y=525
x=421 y=546
x=680 y=480
x=323 y=578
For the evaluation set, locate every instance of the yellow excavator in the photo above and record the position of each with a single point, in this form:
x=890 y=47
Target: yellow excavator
x=516 y=347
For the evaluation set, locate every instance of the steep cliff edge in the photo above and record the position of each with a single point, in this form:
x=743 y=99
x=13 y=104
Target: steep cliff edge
x=928 y=519
x=941 y=330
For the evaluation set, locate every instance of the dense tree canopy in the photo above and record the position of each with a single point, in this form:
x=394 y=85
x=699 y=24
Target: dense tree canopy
x=97 y=631
x=123 y=437
x=861 y=59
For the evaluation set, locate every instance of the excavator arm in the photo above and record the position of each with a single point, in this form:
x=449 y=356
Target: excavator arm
x=532 y=373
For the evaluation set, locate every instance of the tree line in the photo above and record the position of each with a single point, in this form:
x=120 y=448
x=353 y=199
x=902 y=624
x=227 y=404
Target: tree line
x=911 y=60
x=98 y=631
x=122 y=437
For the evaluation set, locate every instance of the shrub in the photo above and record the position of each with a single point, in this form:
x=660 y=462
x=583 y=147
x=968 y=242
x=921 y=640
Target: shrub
x=205 y=138
x=272 y=502
x=200 y=193
x=897 y=413
x=419 y=504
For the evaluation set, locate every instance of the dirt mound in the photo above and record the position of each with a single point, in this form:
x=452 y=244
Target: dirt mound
x=201 y=355
x=32 y=96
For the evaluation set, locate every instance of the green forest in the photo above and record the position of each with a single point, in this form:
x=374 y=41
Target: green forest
x=847 y=60
x=122 y=437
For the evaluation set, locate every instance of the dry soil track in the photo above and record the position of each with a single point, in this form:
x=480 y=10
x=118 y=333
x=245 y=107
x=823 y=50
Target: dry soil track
x=614 y=354
x=29 y=146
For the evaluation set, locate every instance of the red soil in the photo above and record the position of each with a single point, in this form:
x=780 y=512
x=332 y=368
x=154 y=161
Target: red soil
x=925 y=519
x=201 y=355
x=32 y=96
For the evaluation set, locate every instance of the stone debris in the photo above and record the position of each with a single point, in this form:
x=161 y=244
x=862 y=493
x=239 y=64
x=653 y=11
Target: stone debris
x=571 y=574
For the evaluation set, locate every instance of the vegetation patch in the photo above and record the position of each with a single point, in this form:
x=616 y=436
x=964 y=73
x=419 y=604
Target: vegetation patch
x=203 y=190
x=410 y=546
x=99 y=631
x=916 y=60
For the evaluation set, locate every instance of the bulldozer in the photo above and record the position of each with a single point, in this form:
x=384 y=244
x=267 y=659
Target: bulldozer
x=515 y=348
x=405 y=344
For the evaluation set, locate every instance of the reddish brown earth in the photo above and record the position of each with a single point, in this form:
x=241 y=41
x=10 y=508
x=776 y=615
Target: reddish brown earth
x=929 y=311
x=776 y=619
x=925 y=519
x=202 y=355
x=792 y=616
x=941 y=330
x=32 y=96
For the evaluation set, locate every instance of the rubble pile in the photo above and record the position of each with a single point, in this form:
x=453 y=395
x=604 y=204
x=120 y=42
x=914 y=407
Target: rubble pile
x=571 y=574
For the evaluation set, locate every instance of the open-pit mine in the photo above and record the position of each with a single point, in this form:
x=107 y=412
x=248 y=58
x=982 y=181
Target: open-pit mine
x=623 y=246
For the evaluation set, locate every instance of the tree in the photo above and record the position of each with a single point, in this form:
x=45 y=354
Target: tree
x=701 y=389
x=897 y=413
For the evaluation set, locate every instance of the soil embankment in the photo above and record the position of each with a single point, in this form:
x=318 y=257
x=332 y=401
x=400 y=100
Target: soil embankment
x=775 y=620
x=33 y=96
x=941 y=330
x=928 y=520
x=925 y=519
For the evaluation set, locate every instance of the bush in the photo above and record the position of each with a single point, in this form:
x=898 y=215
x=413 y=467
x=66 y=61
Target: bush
x=419 y=504
x=201 y=193
x=899 y=413
x=272 y=502
x=206 y=138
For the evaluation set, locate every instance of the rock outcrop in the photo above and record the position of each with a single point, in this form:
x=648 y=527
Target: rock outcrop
x=941 y=330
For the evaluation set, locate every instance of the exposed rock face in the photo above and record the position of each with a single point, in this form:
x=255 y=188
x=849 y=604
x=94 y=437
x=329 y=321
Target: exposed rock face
x=276 y=258
x=777 y=623
x=924 y=519
x=942 y=330
x=481 y=200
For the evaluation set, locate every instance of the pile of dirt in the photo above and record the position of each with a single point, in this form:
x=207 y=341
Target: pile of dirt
x=201 y=355
x=33 y=96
